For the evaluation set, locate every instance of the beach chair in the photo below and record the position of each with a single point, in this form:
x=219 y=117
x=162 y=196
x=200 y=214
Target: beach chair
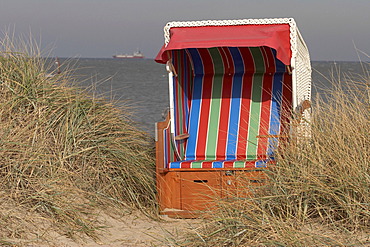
x=233 y=87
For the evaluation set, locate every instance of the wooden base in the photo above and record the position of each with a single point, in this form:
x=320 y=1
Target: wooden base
x=189 y=194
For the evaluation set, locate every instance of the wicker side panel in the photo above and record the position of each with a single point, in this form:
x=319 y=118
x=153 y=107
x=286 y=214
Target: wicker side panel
x=303 y=67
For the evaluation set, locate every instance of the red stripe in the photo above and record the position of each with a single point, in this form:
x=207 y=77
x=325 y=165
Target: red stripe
x=286 y=104
x=205 y=104
x=175 y=89
x=182 y=92
x=269 y=60
x=207 y=164
x=185 y=164
x=178 y=81
x=247 y=83
x=225 y=103
x=229 y=164
x=188 y=94
x=250 y=164
x=183 y=102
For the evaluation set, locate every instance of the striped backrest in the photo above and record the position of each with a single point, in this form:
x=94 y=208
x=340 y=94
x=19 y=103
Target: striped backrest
x=182 y=92
x=230 y=101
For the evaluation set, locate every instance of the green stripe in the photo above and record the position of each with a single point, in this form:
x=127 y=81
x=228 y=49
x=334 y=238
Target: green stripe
x=215 y=104
x=255 y=103
x=239 y=164
x=196 y=164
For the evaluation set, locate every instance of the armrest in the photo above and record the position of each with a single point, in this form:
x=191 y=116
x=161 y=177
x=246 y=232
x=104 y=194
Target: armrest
x=161 y=139
x=182 y=136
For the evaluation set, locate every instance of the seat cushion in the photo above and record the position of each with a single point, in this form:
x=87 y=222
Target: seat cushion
x=221 y=163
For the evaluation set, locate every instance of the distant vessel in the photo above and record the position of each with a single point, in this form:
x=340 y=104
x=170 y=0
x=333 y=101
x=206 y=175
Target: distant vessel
x=136 y=54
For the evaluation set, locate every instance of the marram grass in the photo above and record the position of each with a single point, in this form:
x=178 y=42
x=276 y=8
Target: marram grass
x=65 y=155
x=319 y=192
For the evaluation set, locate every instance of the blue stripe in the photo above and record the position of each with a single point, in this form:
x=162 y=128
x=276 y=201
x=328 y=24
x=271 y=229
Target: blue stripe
x=276 y=100
x=195 y=105
x=235 y=105
x=218 y=164
x=237 y=60
x=176 y=164
x=261 y=163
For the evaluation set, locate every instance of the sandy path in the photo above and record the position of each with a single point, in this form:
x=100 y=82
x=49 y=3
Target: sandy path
x=134 y=230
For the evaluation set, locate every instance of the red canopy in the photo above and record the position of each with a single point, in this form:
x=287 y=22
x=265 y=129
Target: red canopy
x=276 y=36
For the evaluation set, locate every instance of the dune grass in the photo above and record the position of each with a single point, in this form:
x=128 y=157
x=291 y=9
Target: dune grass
x=319 y=192
x=65 y=154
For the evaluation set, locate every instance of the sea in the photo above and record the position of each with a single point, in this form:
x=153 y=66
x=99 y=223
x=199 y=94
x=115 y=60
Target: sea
x=142 y=84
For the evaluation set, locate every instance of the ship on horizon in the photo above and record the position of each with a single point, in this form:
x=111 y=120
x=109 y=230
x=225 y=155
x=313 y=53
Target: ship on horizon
x=136 y=54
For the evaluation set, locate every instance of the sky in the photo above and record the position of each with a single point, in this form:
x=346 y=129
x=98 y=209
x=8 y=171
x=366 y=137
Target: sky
x=336 y=30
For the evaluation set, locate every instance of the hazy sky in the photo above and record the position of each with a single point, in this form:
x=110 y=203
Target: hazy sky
x=100 y=28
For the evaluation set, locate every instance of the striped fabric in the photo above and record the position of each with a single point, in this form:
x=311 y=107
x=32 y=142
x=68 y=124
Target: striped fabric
x=182 y=91
x=229 y=100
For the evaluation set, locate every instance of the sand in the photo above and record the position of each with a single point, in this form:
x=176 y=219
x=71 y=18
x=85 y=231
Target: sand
x=131 y=230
